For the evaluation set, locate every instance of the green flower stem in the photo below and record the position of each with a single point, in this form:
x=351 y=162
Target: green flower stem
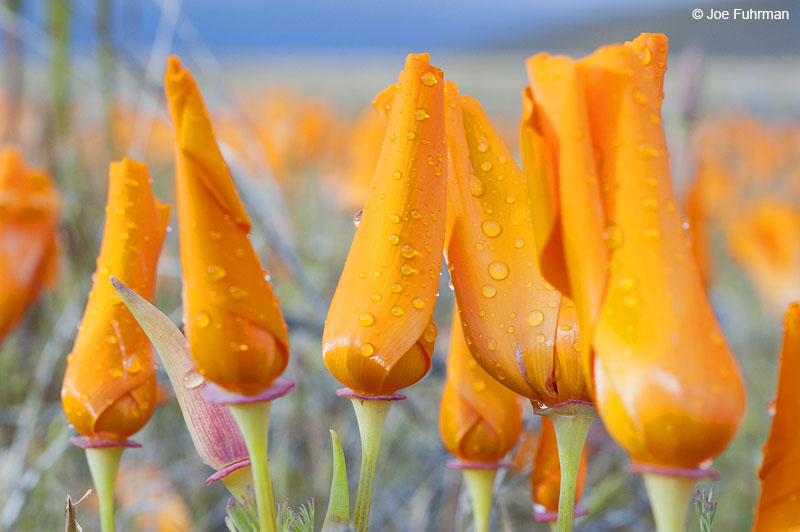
x=371 y=416
x=237 y=482
x=103 y=466
x=253 y=420
x=480 y=483
x=571 y=421
x=669 y=497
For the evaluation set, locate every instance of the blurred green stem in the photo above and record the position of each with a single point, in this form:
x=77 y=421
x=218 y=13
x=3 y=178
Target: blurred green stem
x=571 y=421
x=60 y=15
x=103 y=466
x=669 y=497
x=371 y=416
x=105 y=57
x=480 y=483
x=253 y=420
x=13 y=73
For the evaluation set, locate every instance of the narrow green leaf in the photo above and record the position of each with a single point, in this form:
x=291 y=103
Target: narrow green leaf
x=338 y=517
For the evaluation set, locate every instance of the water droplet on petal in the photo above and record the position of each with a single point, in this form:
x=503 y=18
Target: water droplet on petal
x=613 y=237
x=408 y=251
x=428 y=79
x=418 y=302
x=366 y=319
x=396 y=288
x=367 y=350
x=486 y=166
x=491 y=228
x=397 y=174
x=540 y=338
x=394 y=240
x=535 y=318
x=498 y=270
x=357 y=217
x=489 y=290
x=202 y=320
x=216 y=273
x=420 y=114
x=397 y=311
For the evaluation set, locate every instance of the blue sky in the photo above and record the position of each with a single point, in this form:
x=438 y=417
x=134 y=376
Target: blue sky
x=262 y=25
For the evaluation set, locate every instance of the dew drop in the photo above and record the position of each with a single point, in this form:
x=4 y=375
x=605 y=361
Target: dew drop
x=216 y=273
x=492 y=344
x=397 y=311
x=613 y=237
x=192 y=379
x=396 y=288
x=479 y=385
x=519 y=243
x=410 y=135
x=647 y=56
x=535 y=317
x=394 y=240
x=486 y=166
x=498 y=270
x=477 y=187
x=395 y=219
x=428 y=79
x=202 y=320
x=431 y=332
x=366 y=319
x=418 y=302
x=540 y=338
x=375 y=298
x=408 y=251
x=415 y=214
x=406 y=269
x=491 y=228
x=489 y=290
x=421 y=114
x=357 y=217
x=367 y=350
x=483 y=146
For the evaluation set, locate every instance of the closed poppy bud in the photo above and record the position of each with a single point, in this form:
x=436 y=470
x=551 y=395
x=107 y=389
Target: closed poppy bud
x=109 y=389
x=29 y=211
x=480 y=419
x=232 y=320
x=521 y=330
x=379 y=334
x=667 y=385
x=779 y=504
x=546 y=473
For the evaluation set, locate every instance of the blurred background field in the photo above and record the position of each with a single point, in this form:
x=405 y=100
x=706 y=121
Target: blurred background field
x=288 y=86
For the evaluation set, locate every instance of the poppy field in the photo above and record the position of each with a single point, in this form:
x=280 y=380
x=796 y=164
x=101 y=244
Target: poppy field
x=493 y=291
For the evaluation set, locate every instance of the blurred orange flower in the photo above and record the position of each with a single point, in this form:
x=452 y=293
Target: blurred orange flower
x=480 y=419
x=745 y=190
x=546 y=474
x=519 y=328
x=779 y=504
x=109 y=389
x=379 y=334
x=667 y=386
x=234 y=325
x=29 y=211
x=364 y=150
x=148 y=494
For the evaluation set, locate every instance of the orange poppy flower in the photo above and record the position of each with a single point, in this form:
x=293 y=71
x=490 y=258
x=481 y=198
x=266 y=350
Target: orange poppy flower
x=779 y=503
x=667 y=386
x=29 y=209
x=237 y=333
x=379 y=334
x=520 y=329
x=109 y=389
x=480 y=419
x=546 y=473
